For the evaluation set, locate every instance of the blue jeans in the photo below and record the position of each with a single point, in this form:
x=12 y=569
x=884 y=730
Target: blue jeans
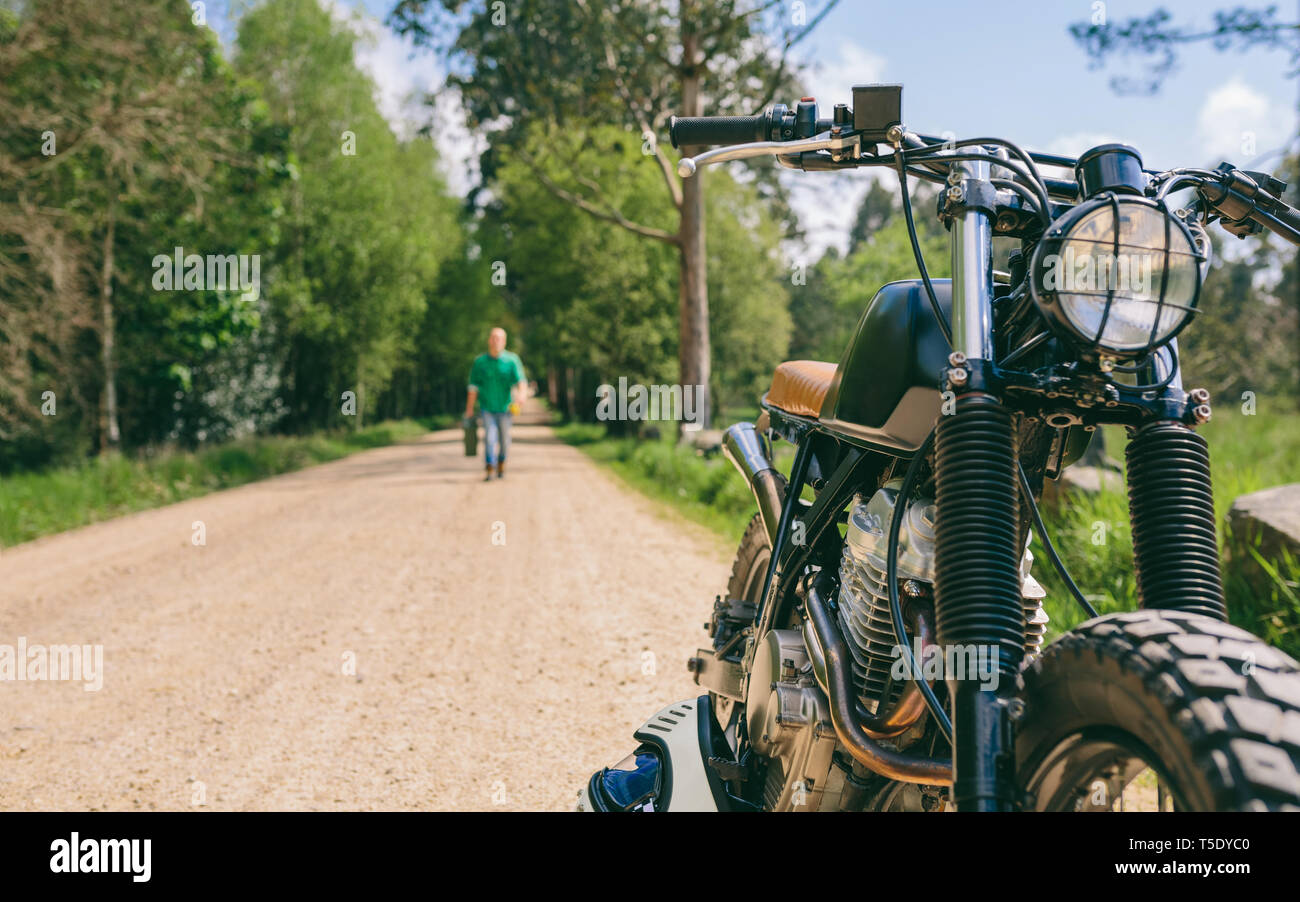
x=496 y=436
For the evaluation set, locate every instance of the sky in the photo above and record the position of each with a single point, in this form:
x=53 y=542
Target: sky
x=1008 y=69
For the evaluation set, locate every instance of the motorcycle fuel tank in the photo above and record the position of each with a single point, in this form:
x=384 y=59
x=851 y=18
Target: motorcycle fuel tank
x=886 y=388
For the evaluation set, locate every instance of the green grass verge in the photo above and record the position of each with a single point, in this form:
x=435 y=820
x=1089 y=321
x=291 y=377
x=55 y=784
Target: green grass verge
x=37 y=504
x=704 y=490
x=1091 y=532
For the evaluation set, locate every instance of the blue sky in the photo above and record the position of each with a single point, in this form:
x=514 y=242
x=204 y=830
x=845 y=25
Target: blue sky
x=1013 y=69
x=1008 y=69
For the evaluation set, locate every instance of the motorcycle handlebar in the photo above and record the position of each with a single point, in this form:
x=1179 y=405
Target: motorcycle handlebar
x=1274 y=214
x=1283 y=220
x=699 y=130
x=1240 y=196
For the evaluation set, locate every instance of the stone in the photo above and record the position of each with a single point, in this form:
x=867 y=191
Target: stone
x=1268 y=520
x=1082 y=480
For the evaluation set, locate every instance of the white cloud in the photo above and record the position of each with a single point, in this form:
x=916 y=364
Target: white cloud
x=404 y=77
x=826 y=202
x=832 y=81
x=1238 y=123
x=1072 y=145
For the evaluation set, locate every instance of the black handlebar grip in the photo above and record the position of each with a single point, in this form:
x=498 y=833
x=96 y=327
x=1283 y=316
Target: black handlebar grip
x=693 y=130
x=1289 y=216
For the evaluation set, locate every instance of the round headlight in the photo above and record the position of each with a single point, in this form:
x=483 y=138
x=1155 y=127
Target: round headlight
x=1117 y=273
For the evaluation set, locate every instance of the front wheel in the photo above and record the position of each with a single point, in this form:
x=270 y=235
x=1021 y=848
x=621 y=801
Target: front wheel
x=1160 y=710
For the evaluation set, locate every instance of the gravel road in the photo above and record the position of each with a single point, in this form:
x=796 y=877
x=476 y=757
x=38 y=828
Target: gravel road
x=382 y=632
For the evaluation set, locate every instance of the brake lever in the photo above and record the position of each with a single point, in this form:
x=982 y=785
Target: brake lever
x=836 y=144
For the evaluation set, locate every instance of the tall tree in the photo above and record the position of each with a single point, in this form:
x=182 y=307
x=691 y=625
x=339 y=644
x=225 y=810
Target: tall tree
x=366 y=222
x=574 y=64
x=113 y=111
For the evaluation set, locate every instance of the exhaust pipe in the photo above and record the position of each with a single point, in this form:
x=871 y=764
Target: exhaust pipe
x=744 y=448
x=910 y=705
x=870 y=753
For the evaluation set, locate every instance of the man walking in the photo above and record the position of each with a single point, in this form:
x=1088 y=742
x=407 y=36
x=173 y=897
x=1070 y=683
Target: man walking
x=496 y=380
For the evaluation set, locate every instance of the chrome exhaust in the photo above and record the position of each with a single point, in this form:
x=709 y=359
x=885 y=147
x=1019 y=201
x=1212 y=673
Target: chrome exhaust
x=744 y=448
x=847 y=716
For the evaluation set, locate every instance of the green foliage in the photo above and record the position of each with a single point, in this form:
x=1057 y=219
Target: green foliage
x=749 y=292
x=839 y=288
x=124 y=125
x=129 y=134
x=589 y=293
x=366 y=221
x=606 y=299
x=1246 y=335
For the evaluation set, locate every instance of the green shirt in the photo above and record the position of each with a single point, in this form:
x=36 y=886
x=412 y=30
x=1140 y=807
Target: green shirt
x=494 y=377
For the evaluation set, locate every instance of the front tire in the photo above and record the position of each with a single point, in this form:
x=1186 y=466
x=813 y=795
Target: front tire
x=1208 y=708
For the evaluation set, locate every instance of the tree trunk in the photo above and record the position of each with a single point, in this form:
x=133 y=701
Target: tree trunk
x=693 y=290
x=109 y=435
x=570 y=389
x=361 y=400
x=552 y=386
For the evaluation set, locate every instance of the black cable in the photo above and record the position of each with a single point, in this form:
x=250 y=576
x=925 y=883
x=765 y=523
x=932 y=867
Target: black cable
x=1028 y=195
x=1014 y=148
x=1169 y=377
x=1047 y=544
x=928 y=175
x=1033 y=179
x=1180 y=181
x=1024 y=349
x=891 y=580
x=916 y=252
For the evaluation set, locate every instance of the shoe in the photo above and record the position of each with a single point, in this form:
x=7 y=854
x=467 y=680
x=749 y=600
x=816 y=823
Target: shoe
x=487 y=474
x=501 y=471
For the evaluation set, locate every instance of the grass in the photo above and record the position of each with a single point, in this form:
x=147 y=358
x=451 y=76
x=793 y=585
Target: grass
x=40 y=503
x=705 y=490
x=1091 y=532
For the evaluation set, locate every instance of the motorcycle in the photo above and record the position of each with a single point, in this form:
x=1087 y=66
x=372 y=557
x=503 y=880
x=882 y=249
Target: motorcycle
x=880 y=644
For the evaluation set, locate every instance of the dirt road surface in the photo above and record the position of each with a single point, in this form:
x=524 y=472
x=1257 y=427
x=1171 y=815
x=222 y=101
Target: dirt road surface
x=351 y=637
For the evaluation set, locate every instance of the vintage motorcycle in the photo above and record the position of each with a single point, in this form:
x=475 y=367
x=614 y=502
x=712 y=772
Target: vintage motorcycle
x=880 y=643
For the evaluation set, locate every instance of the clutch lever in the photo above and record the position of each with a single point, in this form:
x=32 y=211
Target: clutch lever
x=839 y=145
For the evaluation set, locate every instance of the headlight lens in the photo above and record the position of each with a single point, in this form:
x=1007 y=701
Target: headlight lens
x=1118 y=273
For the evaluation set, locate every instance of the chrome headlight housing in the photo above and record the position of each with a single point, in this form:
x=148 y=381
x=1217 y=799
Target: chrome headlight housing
x=1119 y=274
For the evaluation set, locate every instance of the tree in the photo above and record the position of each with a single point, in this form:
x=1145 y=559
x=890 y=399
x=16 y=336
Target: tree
x=1155 y=37
x=115 y=113
x=366 y=223
x=876 y=209
x=593 y=299
x=575 y=64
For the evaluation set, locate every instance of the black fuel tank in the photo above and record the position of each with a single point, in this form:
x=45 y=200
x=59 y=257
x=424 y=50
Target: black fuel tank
x=886 y=387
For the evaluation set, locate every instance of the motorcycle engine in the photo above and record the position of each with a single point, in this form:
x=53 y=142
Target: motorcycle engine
x=787 y=713
x=864 y=614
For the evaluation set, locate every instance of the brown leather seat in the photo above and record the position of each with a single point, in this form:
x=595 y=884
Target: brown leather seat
x=800 y=386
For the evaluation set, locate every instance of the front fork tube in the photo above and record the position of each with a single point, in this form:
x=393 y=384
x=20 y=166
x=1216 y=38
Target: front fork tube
x=978 y=609
x=979 y=614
